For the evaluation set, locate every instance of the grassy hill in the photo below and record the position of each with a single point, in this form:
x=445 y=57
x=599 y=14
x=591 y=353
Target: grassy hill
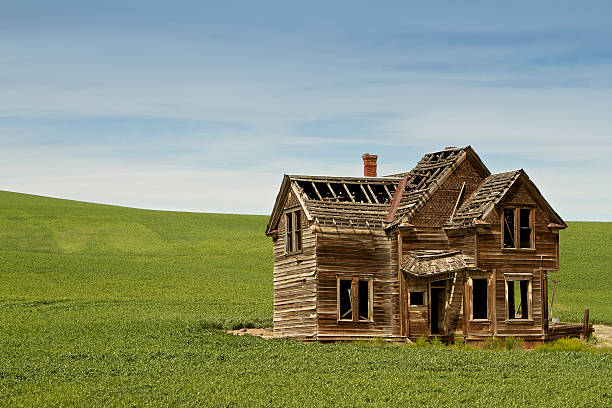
x=103 y=305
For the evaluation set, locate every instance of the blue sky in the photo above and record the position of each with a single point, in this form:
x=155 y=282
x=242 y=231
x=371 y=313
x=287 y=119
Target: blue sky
x=202 y=106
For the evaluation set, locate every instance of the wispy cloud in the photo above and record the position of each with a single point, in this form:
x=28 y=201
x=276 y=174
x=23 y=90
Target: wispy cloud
x=186 y=106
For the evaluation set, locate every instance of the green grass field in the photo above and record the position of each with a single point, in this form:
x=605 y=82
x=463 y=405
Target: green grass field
x=103 y=305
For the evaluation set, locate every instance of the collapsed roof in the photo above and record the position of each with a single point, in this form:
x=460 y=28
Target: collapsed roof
x=490 y=192
x=385 y=202
x=428 y=263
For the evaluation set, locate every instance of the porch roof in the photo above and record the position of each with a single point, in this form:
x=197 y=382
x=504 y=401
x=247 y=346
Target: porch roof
x=426 y=263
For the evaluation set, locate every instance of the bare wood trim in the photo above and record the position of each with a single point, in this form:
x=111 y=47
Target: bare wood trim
x=397 y=198
x=494 y=302
x=458 y=200
x=465 y=311
x=298 y=194
x=402 y=301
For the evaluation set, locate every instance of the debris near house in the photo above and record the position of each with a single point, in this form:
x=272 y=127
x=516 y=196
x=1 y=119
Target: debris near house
x=265 y=333
x=445 y=250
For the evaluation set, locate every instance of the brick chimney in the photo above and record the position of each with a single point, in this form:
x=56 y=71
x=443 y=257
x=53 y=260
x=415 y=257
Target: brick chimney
x=369 y=165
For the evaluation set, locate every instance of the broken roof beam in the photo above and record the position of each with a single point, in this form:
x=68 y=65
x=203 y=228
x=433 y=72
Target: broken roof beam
x=316 y=190
x=373 y=195
x=365 y=193
x=388 y=192
x=348 y=192
x=332 y=191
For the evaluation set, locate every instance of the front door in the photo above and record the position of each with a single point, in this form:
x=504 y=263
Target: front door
x=437 y=307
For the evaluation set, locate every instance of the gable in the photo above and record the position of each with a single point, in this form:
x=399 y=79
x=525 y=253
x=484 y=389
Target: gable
x=521 y=193
x=286 y=198
x=422 y=183
x=356 y=202
x=439 y=208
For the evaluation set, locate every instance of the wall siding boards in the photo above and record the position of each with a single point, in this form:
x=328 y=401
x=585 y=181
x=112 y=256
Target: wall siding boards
x=346 y=238
x=294 y=281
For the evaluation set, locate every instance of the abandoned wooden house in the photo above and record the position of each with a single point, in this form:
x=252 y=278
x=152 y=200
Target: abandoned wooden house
x=447 y=249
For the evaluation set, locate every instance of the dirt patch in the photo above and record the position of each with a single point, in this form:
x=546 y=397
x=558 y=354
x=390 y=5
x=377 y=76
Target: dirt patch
x=266 y=333
x=603 y=334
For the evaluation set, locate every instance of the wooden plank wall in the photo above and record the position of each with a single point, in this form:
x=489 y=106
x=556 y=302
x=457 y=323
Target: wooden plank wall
x=357 y=252
x=295 y=282
x=543 y=258
x=417 y=317
x=434 y=238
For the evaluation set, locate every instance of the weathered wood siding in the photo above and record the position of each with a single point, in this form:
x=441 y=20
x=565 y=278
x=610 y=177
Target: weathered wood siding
x=417 y=317
x=358 y=253
x=294 y=282
x=491 y=256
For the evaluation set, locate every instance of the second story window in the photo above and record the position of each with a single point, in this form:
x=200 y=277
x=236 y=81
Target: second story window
x=517 y=228
x=293 y=232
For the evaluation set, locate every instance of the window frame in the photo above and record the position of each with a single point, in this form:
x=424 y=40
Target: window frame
x=355 y=298
x=295 y=233
x=517 y=227
x=490 y=278
x=424 y=294
x=488 y=281
x=514 y=277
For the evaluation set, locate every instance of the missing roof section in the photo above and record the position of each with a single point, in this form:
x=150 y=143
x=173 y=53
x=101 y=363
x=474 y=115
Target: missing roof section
x=352 y=191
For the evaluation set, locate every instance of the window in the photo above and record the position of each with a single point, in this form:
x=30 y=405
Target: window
x=517 y=228
x=518 y=300
x=293 y=232
x=355 y=299
x=417 y=298
x=479 y=299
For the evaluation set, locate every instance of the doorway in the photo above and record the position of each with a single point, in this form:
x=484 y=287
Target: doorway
x=437 y=308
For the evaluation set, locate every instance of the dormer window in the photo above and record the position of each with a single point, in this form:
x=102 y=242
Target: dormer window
x=517 y=228
x=293 y=232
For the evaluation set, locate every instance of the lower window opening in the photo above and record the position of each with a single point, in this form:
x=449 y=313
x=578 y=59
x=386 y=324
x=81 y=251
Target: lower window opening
x=517 y=299
x=417 y=298
x=346 y=303
x=479 y=299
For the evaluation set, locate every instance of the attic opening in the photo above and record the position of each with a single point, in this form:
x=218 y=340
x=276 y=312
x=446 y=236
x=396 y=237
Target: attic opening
x=358 y=193
x=380 y=193
x=341 y=193
x=308 y=189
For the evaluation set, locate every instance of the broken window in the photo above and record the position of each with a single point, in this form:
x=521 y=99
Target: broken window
x=517 y=227
x=479 y=299
x=364 y=299
x=525 y=227
x=509 y=241
x=355 y=299
x=518 y=298
x=417 y=298
x=293 y=232
x=346 y=299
